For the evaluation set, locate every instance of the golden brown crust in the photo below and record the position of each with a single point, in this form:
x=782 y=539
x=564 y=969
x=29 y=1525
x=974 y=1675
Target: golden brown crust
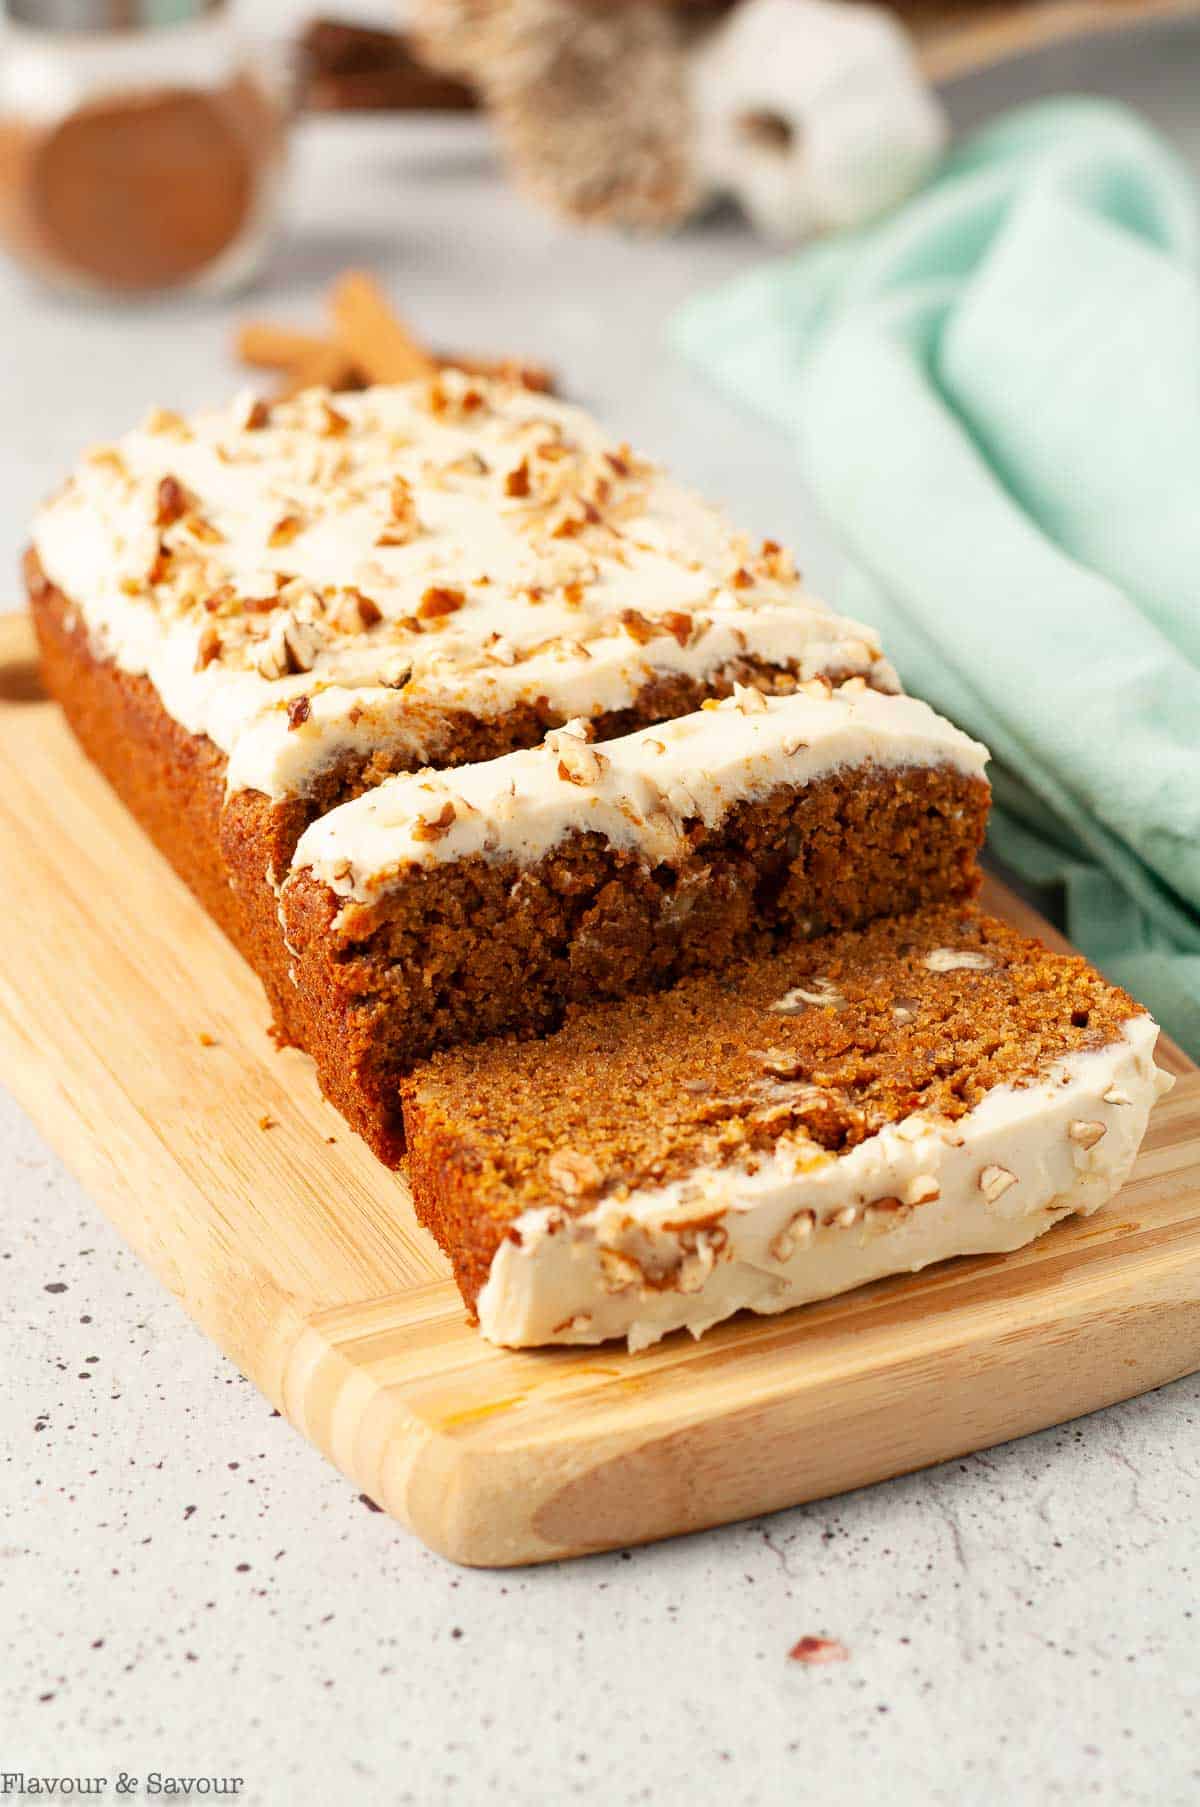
x=173 y=782
x=645 y=1091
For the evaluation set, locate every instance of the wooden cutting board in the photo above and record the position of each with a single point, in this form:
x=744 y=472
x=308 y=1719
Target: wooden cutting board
x=137 y=1041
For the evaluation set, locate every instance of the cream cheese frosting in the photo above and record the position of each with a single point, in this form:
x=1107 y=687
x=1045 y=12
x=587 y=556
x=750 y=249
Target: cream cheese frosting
x=638 y=791
x=454 y=545
x=804 y=1224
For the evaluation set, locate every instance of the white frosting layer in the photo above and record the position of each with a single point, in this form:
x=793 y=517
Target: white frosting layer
x=638 y=791
x=398 y=554
x=802 y=1224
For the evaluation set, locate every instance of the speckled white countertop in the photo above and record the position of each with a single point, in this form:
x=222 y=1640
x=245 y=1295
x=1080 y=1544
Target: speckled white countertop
x=185 y=1586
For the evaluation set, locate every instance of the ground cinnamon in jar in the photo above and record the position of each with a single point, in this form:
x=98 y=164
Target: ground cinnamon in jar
x=145 y=191
x=134 y=185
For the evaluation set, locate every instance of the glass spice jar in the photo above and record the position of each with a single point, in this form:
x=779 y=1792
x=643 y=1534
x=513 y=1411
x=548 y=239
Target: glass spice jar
x=141 y=149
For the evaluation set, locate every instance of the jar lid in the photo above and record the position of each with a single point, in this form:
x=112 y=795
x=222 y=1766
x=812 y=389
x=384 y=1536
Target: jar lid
x=107 y=15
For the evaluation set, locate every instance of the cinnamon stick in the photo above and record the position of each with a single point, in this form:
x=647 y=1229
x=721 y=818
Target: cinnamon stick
x=371 y=336
x=370 y=344
x=269 y=347
x=324 y=367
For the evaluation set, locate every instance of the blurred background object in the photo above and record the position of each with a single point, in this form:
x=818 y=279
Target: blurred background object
x=347 y=66
x=809 y=113
x=590 y=103
x=140 y=146
x=960 y=37
x=638 y=114
x=141 y=141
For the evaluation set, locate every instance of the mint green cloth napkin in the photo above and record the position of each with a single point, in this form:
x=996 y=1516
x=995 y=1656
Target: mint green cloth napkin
x=996 y=396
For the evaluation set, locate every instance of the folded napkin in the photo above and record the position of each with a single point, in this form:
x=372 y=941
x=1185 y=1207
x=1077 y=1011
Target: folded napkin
x=996 y=397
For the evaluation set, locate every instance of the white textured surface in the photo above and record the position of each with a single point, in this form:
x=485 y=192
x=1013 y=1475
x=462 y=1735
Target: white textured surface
x=1021 y=1626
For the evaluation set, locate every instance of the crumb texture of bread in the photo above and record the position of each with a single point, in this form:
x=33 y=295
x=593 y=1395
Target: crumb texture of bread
x=826 y=1045
x=448 y=907
x=470 y=950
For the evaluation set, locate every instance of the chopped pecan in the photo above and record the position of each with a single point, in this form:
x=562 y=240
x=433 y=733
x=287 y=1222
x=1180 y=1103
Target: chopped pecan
x=285 y=530
x=171 y=502
x=208 y=646
x=679 y=624
x=749 y=700
x=355 y=612
x=778 y=562
x=432 y=828
x=333 y=423
x=639 y=627
x=439 y=600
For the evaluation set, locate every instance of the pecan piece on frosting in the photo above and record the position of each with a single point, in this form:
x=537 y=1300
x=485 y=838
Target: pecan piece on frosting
x=618 y=1270
x=208 y=647
x=578 y=763
x=639 y=627
x=290 y=646
x=353 y=612
x=994 y=1182
x=171 y=502
x=433 y=828
x=285 y=530
x=516 y=483
x=797 y=1229
x=749 y=700
x=777 y=562
x=438 y=600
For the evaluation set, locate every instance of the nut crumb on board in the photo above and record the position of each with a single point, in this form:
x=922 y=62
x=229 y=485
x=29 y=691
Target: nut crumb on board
x=818 y=1650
